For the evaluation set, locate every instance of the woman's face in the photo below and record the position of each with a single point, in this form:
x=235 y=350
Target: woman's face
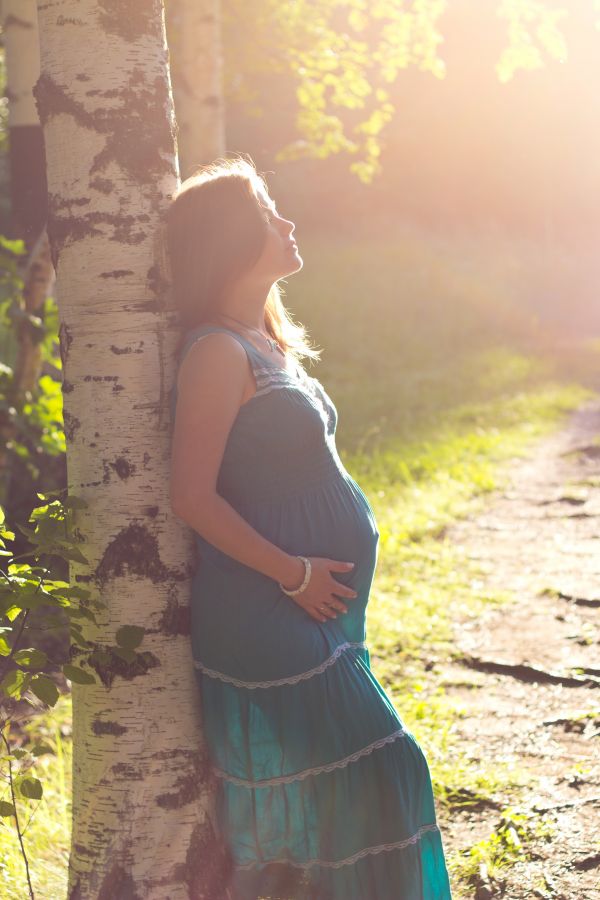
x=280 y=255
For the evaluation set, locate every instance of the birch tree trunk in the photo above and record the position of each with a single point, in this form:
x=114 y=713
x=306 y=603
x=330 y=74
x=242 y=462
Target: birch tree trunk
x=193 y=27
x=25 y=142
x=141 y=804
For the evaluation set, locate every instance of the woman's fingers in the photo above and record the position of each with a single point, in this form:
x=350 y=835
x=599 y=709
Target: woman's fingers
x=343 y=589
x=339 y=566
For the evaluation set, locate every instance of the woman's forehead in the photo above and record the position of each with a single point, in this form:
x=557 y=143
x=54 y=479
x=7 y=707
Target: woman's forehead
x=263 y=197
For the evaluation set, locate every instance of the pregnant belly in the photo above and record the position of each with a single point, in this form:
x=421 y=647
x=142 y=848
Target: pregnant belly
x=266 y=631
x=334 y=520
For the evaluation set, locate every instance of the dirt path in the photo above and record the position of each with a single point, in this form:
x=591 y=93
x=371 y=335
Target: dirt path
x=534 y=666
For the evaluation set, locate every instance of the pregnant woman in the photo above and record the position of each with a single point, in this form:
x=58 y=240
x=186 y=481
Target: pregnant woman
x=322 y=792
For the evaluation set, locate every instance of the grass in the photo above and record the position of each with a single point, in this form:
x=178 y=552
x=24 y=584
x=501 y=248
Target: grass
x=443 y=374
x=484 y=864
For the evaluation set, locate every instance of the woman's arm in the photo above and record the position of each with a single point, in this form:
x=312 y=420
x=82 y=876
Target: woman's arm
x=210 y=389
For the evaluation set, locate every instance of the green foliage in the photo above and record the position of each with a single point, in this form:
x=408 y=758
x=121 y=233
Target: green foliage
x=507 y=844
x=344 y=56
x=32 y=425
x=533 y=29
x=27 y=587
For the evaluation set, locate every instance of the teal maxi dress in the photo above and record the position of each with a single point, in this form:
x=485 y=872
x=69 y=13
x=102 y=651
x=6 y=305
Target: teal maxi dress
x=322 y=792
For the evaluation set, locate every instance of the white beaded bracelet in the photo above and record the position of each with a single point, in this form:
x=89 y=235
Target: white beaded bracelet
x=307 y=568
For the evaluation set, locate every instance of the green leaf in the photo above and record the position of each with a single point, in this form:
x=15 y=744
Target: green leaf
x=6 y=809
x=128 y=655
x=16 y=246
x=130 y=636
x=44 y=688
x=31 y=657
x=79 y=676
x=40 y=749
x=31 y=788
x=12 y=683
x=73 y=554
x=4 y=647
x=73 y=502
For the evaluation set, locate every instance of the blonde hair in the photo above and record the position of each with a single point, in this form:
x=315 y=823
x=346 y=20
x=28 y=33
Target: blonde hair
x=214 y=232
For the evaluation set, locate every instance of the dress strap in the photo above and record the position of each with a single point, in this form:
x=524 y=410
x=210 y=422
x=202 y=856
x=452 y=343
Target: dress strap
x=267 y=375
x=201 y=331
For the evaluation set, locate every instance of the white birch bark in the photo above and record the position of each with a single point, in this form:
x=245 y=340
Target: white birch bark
x=141 y=805
x=194 y=33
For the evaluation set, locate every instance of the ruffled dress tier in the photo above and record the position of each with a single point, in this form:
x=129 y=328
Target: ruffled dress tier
x=322 y=791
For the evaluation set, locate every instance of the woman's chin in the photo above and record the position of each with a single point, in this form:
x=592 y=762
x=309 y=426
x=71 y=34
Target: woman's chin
x=299 y=262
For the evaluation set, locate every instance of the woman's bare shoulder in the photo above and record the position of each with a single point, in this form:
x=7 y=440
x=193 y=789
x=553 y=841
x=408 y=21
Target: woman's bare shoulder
x=215 y=352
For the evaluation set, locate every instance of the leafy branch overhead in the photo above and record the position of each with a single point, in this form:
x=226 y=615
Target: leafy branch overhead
x=345 y=55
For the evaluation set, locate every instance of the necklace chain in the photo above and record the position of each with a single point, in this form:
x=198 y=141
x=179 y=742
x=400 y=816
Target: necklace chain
x=273 y=344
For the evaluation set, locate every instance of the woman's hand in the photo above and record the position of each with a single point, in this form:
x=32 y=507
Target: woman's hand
x=317 y=597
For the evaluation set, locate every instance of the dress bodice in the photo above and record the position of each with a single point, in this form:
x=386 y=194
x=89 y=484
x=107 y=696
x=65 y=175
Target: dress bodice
x=283 y=437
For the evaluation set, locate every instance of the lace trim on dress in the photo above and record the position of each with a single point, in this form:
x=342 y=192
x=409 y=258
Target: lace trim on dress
x=293 y=679
x=270 y=377
x=329 y=767
x=337 y=864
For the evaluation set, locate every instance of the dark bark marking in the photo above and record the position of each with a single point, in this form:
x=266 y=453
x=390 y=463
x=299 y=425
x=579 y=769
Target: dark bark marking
x=126 y=770
x=188 y=786
x=146 y=458
x=103 y=185
x=76 y=228
x=84 y=851
x=156 y=283
x=67 y=386
x=151 y=306
x=65 y=339
x=82 y=77
x=176 y=619
x=71 y=425
x=151 y=511
x=65 y=20
x=123 y=467
x=139 y=131
x=68 y=203
x=118 y=884
x=140 y=139
x=118 y=351
x=83 y=579
x=130 y=19
x=117 y=273
x=100 y=377
x=134 y=551
x=208 y=866
x=99 y=727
